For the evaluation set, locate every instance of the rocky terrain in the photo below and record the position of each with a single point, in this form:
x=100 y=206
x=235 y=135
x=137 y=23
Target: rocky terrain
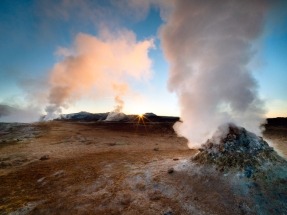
x=258 y=169
x=137 y=167
x=239 y=149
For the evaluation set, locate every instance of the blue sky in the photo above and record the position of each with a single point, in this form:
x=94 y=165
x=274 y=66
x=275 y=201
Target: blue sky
x=31 y=31
x=271 y=74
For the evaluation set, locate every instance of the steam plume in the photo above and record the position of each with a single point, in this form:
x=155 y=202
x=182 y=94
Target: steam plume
x=98 y=65
x=121 y=90
x=5 y=110
x=15 y=113
x=209 y=45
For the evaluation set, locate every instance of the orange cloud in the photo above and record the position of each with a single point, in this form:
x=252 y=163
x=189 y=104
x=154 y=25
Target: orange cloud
x=98 y=64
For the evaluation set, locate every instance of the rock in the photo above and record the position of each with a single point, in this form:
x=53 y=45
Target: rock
x=170 y=170
x=45 y=157
x=156 y=149
x=175 y=159
x=248 y=171
x=168 y=213
x=59 y=173
x=41 y=180
x=234 y=147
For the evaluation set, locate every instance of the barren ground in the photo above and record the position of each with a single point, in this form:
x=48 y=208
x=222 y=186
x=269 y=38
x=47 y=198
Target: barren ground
x=115 y=168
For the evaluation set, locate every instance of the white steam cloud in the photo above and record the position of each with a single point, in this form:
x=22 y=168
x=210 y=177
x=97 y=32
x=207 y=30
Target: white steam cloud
x=102 y=66
x=16 y=113
x=209 y=46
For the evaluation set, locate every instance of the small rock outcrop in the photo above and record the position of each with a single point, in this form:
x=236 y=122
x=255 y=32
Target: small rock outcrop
x=235 y=147
x=45 y=157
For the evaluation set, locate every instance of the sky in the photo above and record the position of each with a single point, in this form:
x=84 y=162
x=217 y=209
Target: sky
x=38 y=38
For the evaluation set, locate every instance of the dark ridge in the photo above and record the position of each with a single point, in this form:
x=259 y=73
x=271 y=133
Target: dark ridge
x=85 y=116
x=89 y=117
x=156 y=118
x=148 y=117
x=279 y=121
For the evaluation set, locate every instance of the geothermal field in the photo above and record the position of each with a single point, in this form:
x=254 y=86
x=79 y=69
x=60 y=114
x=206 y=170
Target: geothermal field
x=183 y=107
x=138 y=165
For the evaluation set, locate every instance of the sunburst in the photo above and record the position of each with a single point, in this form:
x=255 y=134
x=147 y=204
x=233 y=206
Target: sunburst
x=141 y=119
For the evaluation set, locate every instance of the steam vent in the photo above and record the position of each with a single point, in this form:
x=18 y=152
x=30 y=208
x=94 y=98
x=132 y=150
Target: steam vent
x=238 y=149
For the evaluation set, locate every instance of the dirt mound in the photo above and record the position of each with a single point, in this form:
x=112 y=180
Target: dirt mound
x=235 y=147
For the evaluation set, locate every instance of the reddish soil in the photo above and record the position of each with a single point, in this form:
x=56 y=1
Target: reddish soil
x=109 y=168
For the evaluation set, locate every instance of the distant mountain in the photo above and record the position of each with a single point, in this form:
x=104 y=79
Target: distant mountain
x=116 y=117
x=150 y=115
x=83 y=116
x=147 y=117
x=279 y=121
x=155 y=118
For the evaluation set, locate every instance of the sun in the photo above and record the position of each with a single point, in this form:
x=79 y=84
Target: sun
x=141 y=118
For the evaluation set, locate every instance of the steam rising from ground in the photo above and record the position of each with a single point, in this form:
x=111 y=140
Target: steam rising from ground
x=209 y=45
x=100 y=66
x=14 y=113
x=121 y=91
x=117 y=114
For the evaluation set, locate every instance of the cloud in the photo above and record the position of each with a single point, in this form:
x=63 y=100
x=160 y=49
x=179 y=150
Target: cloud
x=101 y=65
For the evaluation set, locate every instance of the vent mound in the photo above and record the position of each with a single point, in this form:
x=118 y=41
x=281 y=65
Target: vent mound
x=235 y=147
